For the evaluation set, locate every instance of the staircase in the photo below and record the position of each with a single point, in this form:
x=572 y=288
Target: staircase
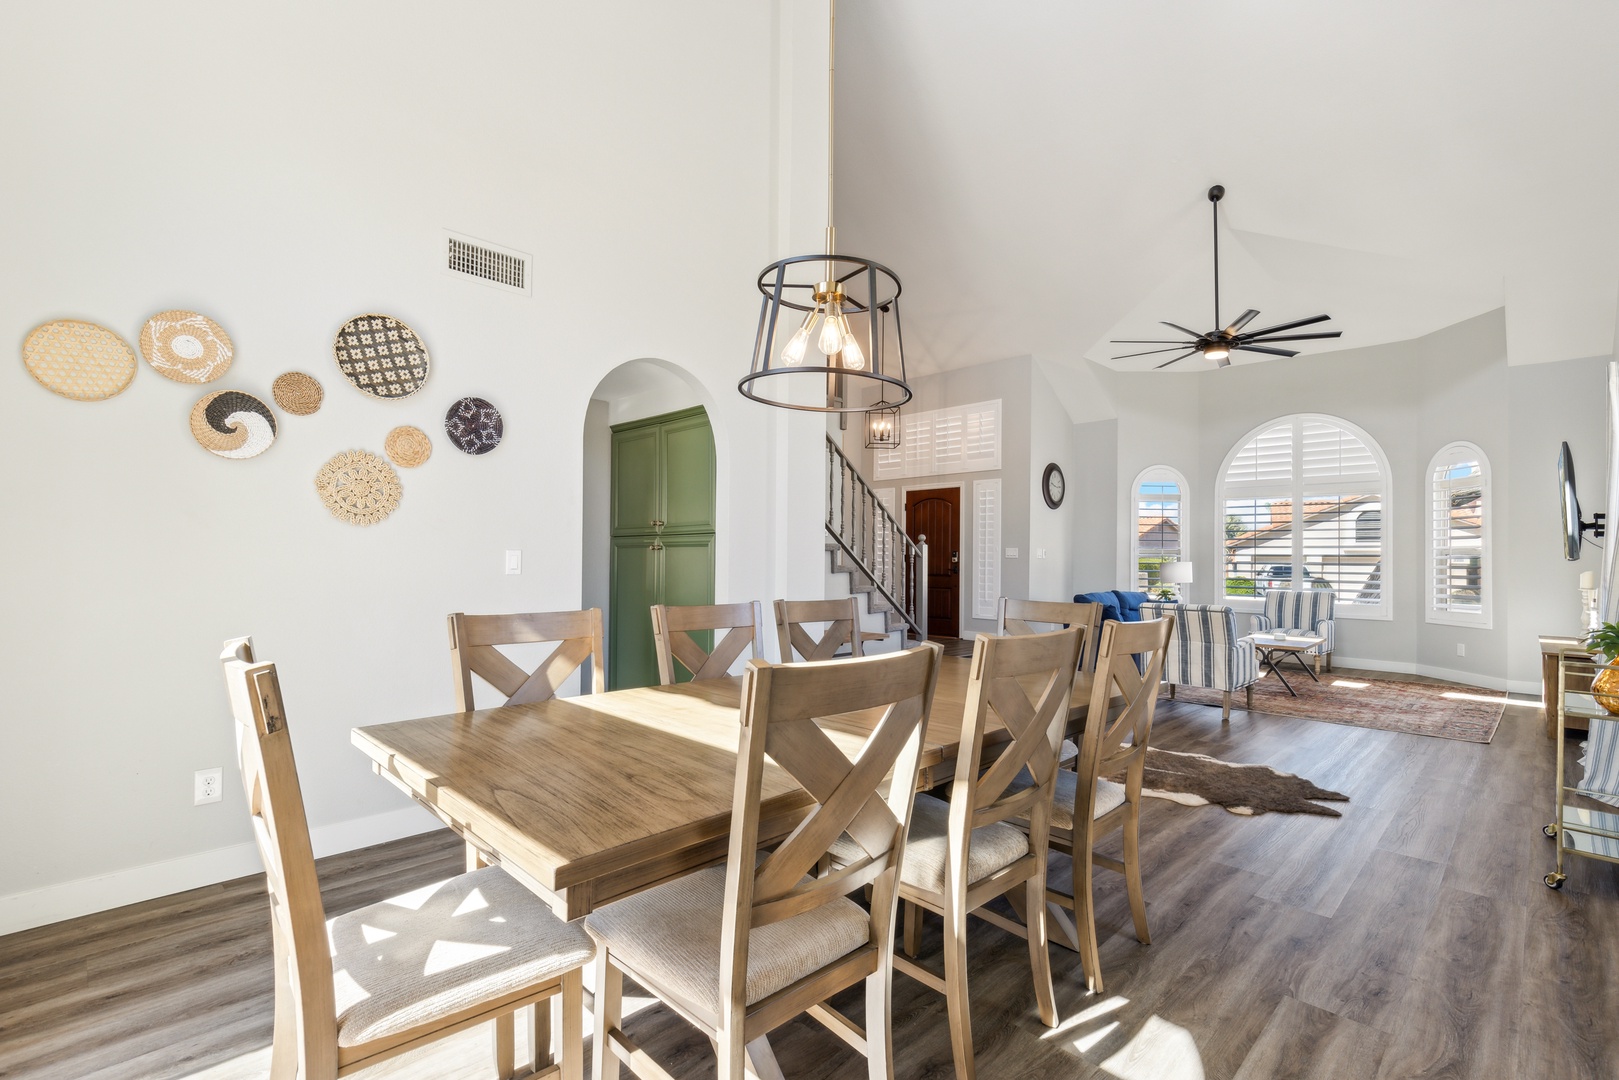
x=865 y=542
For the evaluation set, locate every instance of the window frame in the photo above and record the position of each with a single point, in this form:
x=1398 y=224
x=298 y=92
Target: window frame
x=1383 y=611
x=1159 y=474
x=1448 y=456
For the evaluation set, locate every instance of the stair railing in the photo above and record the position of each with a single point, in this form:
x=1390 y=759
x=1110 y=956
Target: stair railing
x=873 y=541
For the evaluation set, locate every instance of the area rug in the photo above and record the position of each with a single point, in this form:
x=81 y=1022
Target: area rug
x=1196 y=780
x=1440 y=710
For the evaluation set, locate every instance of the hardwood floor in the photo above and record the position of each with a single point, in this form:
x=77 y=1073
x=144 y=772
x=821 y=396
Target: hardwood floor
x=1410 y=938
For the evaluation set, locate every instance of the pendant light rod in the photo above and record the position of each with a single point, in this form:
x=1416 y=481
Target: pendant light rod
x=1215 y=194
x=831 y=120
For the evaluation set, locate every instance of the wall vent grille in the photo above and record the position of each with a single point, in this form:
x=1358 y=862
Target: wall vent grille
x=495 y=266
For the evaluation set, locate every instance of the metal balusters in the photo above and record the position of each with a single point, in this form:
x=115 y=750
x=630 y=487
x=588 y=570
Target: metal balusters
x=872 y=539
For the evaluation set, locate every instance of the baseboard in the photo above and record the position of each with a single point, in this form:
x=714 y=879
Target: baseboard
x=1466 y=678
x=84 y=896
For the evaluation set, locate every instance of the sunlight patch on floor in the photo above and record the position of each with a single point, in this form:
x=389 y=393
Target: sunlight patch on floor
x=1350 y=684
x=1457 y=695
x=1159 y=1051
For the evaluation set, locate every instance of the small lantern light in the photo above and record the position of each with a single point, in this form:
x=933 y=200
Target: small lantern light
x=882 y=426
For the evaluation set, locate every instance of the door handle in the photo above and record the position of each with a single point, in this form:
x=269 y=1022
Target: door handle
x=955 y=562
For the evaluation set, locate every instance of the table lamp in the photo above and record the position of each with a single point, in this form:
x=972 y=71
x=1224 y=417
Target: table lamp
x=1176 y=574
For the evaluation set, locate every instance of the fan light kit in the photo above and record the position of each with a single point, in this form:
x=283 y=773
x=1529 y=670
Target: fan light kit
x=1218 y=345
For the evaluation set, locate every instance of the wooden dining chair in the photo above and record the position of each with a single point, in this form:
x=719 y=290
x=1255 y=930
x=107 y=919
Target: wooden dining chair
x=1088 y=805
x=964 y=853
x=373 y=983
x=1022 y=616
x=672 y=628
x=473 y=641
x=739 y=949
x=842 y=619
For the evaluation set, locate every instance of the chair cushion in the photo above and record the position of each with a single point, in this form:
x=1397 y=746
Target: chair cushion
x=1109 y=796
x=447 y=947
x=671 y=934
x=927 y=847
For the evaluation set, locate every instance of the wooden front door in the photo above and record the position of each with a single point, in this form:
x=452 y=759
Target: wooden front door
x=936 y=514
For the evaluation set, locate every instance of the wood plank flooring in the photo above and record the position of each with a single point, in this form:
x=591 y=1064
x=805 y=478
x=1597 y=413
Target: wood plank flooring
x=1410 y=938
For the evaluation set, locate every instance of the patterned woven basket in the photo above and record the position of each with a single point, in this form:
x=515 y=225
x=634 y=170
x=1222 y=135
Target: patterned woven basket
x=79 y=360
x=186 y=347
x=358 y=487
x=381 y=356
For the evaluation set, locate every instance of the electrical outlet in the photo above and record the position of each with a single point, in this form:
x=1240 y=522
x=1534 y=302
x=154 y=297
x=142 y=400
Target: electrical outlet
x=514 y=562
x=208 y=786
x=1461 y=650
x=1011 y=553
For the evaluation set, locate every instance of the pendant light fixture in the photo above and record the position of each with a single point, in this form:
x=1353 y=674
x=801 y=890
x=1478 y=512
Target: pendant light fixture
x=829 y=330
x=882 y=426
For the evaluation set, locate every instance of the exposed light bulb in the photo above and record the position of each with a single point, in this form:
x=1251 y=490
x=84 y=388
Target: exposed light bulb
x=793 y=354
x=832 y=332
x=853 y=358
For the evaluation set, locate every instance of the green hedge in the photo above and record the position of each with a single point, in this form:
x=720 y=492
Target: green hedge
x=1240 y=586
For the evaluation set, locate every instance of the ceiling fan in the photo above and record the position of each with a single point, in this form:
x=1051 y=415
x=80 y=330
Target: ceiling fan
x=1218 y=345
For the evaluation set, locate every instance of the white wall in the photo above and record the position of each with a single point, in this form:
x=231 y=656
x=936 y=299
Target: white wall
x=284 y=168
x=1051 y=440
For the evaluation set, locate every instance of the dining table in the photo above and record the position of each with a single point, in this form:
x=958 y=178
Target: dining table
x=590 y=799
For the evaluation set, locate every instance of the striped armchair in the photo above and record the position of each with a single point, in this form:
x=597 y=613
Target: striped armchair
x=1302 y=611
x=1206 y=651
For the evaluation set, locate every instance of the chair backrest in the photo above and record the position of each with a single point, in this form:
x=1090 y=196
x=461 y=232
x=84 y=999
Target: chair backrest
x=473 y=638
x=1119 y=741
x=1201 y=644
x=780 y=704
x=1015 y=617
x=842 y=619
x=672 y=628
x=298 y=921
x=1298 y=609
x=1025 y=681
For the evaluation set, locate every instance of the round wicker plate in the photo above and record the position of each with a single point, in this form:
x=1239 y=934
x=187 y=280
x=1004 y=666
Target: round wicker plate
x=408 y=446
x=381 y=356
x=358 y=487
x=186 y=347
x=233 y=424
x=297 y=393
x=79 y=360
x=474 y=425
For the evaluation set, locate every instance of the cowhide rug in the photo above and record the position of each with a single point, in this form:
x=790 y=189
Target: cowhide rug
x=1194 y=780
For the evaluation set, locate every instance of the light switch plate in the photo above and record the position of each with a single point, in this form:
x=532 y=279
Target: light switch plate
x=1039 y=553
x=514 y=562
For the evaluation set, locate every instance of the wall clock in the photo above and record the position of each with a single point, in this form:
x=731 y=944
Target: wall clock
x=1051 y=485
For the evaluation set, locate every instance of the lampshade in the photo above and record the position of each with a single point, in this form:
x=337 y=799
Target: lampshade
x=1176 y=573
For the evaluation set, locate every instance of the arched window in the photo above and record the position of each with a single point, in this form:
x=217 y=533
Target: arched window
x=1159 y=501
x=1303 y=502
x=1459 y=536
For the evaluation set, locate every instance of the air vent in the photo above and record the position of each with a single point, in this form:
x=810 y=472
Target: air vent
x=499 y=267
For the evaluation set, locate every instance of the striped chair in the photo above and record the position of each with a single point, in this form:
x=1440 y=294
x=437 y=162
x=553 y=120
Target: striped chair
x=1205 y=651
x=1302 y=611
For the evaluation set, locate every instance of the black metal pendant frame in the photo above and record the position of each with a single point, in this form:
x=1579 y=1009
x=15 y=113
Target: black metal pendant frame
x=871 y=303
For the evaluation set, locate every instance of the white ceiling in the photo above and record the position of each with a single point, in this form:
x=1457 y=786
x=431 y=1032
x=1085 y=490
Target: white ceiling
x=1036 y=173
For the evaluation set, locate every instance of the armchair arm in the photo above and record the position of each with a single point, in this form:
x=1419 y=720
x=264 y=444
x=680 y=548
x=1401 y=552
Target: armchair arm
x=1327 y=628
x=1261 y=623
x=1244 y=663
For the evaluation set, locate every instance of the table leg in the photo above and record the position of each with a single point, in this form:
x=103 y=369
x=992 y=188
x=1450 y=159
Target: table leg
x=1306 y=667
x=1270 y=662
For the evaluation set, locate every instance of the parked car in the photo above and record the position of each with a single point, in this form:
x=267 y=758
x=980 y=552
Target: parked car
x=1280 y=576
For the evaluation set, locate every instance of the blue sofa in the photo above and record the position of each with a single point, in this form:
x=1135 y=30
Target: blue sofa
x=1116 y=605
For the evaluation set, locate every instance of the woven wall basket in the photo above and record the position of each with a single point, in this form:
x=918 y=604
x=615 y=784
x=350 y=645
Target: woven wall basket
x=358 y=487
x=233 y=424
x=186 y=347
x=408 y=446
x=381 y=356
x=297 y=393
x=79 y=360
x=474 y=425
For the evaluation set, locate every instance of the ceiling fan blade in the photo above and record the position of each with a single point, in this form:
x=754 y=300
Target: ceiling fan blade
x=1261 y=348
x=1182 y=329
x=1144 y=341
x=1245 y=339
x=1242 y=321
x=1176 y=360
x=1177 y=347
x=1288 y=325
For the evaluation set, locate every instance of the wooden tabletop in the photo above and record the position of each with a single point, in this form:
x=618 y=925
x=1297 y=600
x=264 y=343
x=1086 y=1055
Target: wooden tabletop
x=591 y=798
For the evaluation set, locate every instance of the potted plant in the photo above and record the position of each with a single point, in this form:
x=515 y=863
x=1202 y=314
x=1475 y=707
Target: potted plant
x=1605 y=687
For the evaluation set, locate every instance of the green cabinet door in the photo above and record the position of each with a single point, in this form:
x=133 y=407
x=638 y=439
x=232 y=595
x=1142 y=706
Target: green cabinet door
x=688 y=470
x=637 y=570
x=663 y=534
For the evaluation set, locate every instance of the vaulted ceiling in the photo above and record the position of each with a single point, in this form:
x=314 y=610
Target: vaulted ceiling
x=1036 y=173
